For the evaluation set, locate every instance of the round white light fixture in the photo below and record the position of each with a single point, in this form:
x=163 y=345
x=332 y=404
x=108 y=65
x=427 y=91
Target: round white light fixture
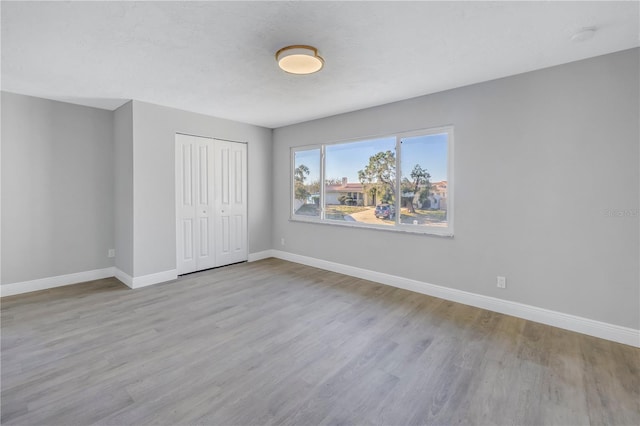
x=583 y=34
x=299 y=59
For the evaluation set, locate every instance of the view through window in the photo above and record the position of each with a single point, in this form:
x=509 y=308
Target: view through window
x=401 y=181
x=306 y=182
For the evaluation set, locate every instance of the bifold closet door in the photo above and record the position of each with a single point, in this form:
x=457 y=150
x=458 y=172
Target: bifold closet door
x=211 y=203
x=231 y=202
x=195 y=158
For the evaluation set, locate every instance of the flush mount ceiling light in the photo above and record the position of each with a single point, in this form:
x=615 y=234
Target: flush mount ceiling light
x=299 y=59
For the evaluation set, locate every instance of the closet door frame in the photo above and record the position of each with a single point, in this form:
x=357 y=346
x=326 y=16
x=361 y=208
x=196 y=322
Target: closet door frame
x=205 y=207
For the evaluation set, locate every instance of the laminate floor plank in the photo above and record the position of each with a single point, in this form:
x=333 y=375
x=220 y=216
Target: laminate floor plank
x=278 y=343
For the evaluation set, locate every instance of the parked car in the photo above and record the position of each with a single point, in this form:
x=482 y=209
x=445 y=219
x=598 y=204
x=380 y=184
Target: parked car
x=385 y=211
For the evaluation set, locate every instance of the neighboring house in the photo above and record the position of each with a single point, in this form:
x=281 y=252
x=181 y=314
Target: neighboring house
x=438 y=196
x=439 y=188
x=356 y=191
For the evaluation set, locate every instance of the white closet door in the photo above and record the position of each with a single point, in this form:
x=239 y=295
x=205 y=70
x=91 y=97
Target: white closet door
x=231 y=202
x=205 y=208
x=211 y=203
x=185 y=211
x=194 y=201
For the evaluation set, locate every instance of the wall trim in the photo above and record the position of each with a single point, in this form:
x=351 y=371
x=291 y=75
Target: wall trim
x=616 y=333
x=158 y=277
x=123 y=277
x=265 y=254
x=80 y=277
x=57 y=281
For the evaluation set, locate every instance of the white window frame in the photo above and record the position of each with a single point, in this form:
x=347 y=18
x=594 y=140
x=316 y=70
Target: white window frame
x=397 y=227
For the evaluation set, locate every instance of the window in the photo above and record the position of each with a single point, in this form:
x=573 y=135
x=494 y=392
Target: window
x=401 y=182
x=306 y=182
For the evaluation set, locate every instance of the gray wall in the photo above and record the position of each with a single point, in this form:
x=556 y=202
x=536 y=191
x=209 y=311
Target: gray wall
x=539 y=159
x=78 y=181
x=57 y=188
x=154 y=230
x=123 y=187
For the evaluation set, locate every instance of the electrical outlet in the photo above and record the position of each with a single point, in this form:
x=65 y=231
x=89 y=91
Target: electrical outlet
x=501 y=282
x=282 y=241
x=111 y=253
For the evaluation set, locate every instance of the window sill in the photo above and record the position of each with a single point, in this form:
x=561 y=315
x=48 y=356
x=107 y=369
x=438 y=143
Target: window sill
x=402 y=229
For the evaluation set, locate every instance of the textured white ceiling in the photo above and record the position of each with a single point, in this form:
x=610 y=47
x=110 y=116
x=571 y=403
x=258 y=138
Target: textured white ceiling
x=217 y=58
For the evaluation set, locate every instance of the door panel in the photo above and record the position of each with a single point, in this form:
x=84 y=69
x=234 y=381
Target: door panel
x=187 y=239
x=205 y=209
x=224 y=175
x=187 y=175
x=238 y=221
x=204 y=234
x=231 y=203
x=224 y=244
x=194 y=195
x=203 y=175
x=239 y=177
x=185 y=207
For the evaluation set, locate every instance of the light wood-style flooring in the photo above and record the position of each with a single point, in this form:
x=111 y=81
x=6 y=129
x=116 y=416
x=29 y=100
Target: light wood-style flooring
x=273 y=342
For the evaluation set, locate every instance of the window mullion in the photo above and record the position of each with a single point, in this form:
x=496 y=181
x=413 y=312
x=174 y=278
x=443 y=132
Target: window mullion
x=398 y=200
x=322 y=183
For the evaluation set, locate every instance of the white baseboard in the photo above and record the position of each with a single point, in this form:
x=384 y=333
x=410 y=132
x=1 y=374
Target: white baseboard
x=253 y=257
x=80 y=277
x=158 y=277
x=123 y=277
x=57 y=281
x=616 y=333
x=145 y=280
